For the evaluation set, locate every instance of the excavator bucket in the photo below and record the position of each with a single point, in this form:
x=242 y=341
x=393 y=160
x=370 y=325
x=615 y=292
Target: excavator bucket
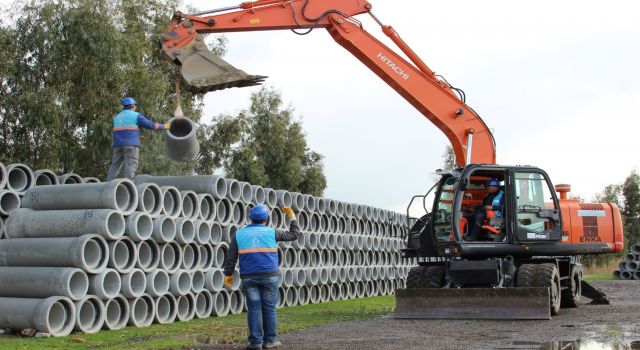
x=203 y=71
x=473 y=303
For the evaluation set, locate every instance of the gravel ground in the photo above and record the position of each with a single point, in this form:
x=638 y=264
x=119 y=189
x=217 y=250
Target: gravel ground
x=615 y=326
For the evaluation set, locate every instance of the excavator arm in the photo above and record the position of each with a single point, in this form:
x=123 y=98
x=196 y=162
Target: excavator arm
x=203 y=71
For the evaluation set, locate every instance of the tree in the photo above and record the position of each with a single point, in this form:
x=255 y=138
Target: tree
x=448 y=158
x=64 y=66
x=264 y=145
x=631 y=211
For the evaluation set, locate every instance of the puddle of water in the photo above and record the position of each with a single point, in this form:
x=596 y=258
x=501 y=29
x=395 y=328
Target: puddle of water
x=588 y=345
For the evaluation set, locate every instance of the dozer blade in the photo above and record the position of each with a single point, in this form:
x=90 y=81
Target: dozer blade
x=474 y=303
x=203 y=71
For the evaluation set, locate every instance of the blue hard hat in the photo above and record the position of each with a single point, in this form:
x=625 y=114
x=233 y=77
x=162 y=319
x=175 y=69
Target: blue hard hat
x=493 y=182
x=128 y=101
x=259 y=213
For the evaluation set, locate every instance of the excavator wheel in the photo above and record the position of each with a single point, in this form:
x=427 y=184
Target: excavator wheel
x=571 y=295
x=417 y=277
x=547 y=275
x=526 y=275
x=434 y=276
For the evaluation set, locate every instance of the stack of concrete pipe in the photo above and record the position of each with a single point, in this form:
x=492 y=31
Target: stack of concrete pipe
x=629 y=268
x=87 y=256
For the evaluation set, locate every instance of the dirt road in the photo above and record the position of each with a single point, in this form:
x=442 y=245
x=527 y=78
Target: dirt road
x=615 y=326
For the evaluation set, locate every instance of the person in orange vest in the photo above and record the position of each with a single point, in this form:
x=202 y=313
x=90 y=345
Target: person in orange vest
x=492 y=201
x=126 y=138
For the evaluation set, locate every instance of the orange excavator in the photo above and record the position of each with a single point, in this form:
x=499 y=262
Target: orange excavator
x=511 y=252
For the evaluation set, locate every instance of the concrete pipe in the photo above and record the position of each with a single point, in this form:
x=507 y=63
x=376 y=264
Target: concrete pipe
x=371 y=289
x=631 y=266
x=636 y=275
x=309 y=203
x=369 y=243
x=361 y=289
x=214 y=280
x=303 y=295
x=276 y=218
x=171 y=202
x=190 y=205
x=622 y=266
x=42 y=282
x=271 y=198
x=53 y=315
x=354 y=226
x=335 y=291
x=28 y=223
x=314 y=223
x=314 y=294
x=360 y=242
x=122 y=255
x=207 y=206
x=321 y=205
x=203 y=304
x=283 y=198
x=186 y=307
x=236 y=280
x=348 y=210
x=351 y=273
x=290 y=257
x=216 y=233
x=89 y=315
x=149 y=199
x=90 y=180
x=164 y=229
x=323 y=240
x=206 y=256
x=180 y=282
x=311 y=241
x=297 y=201
x=339 y=241
x=332 y=207
x=246 y=193
x=334 y=274
x=119 y=194
x=70 y=179
x=185 y=230
x=158 y=283
x=324 y=223
x=236 y=302
x=342 y=273
x=148 y=255
x=630 y=257
x=190 y=257
x=234 y=190
x=142 y=311
x=344 y=291
x=197 y=281
x=211 y=184
x=221 y=304
x=220 y=253
x=358 y=210
x=299 y=277
x=635 y=249
x=352 y=288
x=291 y=297
x=138 y=226
x=19 y=177
x=282 y=295
x=43 y=177
x=180 y=141
x=359 y=257
x=303 y=259
x=626 y=275
x=171 y=255
x=303 y=221
x=315 y=258
x=225 y=211
x=331 y=241
x=325 y=293
x=116 y=313
x=3 y=175
x=329 y=257
x=312 y=276
x=166 y=309
x=368 y=272
x=287 y=277
x=333 y=223
x=202 y=231
x=258 y=194
x=341 y=225
x=88 y=252
x=134 y=283
x=375 y=273
x=238 y=213
x=367 y=213
x=300 y=242
x=9 y=202
x=105 y=285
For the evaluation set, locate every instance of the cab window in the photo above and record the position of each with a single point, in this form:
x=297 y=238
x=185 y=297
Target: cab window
x=533 y=200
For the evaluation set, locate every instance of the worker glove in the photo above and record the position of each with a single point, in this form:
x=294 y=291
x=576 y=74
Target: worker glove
x=228 y=282
x=166 y=126
x=289 y=212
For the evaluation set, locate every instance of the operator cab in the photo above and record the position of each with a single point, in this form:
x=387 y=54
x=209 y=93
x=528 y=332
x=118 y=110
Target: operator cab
x=481 y=209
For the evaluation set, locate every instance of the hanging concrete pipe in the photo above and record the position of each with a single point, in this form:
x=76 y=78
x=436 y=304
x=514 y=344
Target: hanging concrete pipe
x=9 y=202
x=149 y=199
x=119 y=194
x=171 y=202
x=142 y=311
x=214 y=280
x=170 y=257
x=122 y=255
x=116 y=313
x=138 y=226
x=234 y=190
x=208 y=208
x=88 y=252
x=89 y=314
x=180 y=282
x=202 y=231
x=70 y=179
x=42 y=282
x=105 y=285
x=42 y=177
x=158 y=283
x=164 y=229
x=216 y=233
x=134 y=283
x=148 y=255
x=221 y=304
x=185 y=230
x=166 y=309
x=284 y=198
x=186 y=307
x=236 y=302
x=258 y=194
x=203 y=304
x=19 y=177
x=271 y=198
x=211 y=184
x=225 y=211
x=53 y=315
x=197 y=281
x=180 y=141
x=246 y=192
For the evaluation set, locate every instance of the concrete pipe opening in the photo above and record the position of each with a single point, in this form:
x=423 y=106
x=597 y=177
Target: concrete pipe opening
x=325 y=293
x=336 y=292
x=202 y=231
x=188 y=257
x=246 y=194
x=332 y=206
x=164 y=229
x=107 y=284
x=180 y=142
x=297 y=201
x=125 y=196
x=90 y=180
x=303 y=258
x=238 y=213
x=311 y=277
x=216 y=233
x=635 y=249
x=220 y=254
x=197 y=281
x=284 y=198
x=148 y=255
x=115 y=225
x=207 y=207
x=89 y=315
x=314 y=294
x=116 y=313
x=214 y=280
x=19 y=177
x=288 y=278
x=186 y=307
x=95 y=254
x=189 y=204
x=220 y=304
x=324 y=276
x=321 y=205
x=236 y=303
x=170 y=257
x=203 y=304
x=70 y=179
x=9 y=202
x=139 y=226
x=134 y=283
x=166 y=310
x=234 y=190
x=271 y=198
x=206 y=256
x=180 y=282
x=171 y=201
x=309 y=203
x=258 y=194
x=303 y=295
x=185 y=231
x=276 y=217
x=77 y=283
x=142 y=311
x=44 y=177
x=282 y=294
x=159 y=282
x=225 y=211
x=299 y=277
x=122 y=255
x=60 y=316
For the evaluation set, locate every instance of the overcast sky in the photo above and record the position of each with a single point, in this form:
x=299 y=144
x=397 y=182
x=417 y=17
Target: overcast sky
x=557 y=81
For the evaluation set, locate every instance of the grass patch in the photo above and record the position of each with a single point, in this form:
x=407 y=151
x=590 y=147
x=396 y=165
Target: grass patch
x=222 y=330
x=599 y=277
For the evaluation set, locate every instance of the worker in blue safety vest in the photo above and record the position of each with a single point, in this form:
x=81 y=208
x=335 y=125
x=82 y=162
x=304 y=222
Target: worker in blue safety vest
x=126 y=138
x=492 y=201
x=255 y=246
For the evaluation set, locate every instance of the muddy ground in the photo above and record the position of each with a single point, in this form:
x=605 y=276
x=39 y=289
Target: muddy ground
x=615 y=326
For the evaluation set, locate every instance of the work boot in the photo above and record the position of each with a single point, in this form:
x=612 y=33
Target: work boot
x=272 y=345
x=253 y=346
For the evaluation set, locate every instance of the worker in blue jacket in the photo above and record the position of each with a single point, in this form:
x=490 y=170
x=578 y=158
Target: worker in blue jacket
x=126 y=138
x=492 y=201
x=256 y=246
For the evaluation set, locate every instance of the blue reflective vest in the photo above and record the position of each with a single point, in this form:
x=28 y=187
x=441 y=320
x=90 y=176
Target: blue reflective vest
x=126 y=128
x=257 y=250
x=496 y=203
